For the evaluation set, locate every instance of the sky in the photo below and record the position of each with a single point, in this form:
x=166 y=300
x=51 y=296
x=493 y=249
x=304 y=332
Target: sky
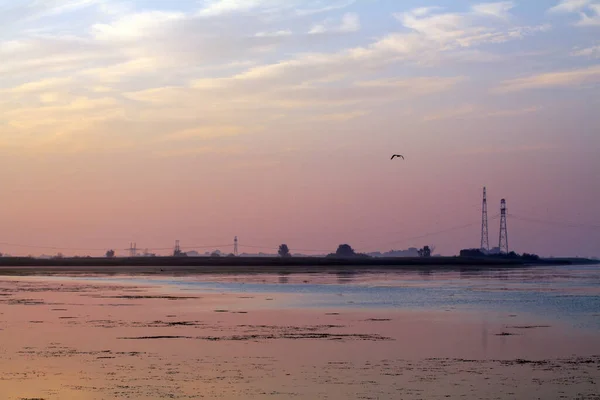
x=274 y=120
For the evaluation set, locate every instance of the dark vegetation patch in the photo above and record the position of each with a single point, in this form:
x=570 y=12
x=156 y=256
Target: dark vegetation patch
x=528 y=326
x=107 y=323
x=314 y=328
x=378 y=319
x=292 y=336
x=506 y=334
x=142 y=297
x=58 y=351
x=297 y=336
x=24 y=302
x=155 y=337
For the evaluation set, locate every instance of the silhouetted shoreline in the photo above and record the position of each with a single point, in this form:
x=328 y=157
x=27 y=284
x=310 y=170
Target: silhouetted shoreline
x=252 y=265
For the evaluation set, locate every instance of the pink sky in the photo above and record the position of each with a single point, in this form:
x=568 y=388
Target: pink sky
x=115 y=128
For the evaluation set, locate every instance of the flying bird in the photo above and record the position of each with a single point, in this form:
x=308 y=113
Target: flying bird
x=397 y=155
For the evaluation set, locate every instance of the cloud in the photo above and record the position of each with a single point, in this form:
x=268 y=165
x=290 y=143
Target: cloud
x=592 y=18
x=512 y=113
x=337 y=117
x=214 y=8
x=135 y=26
x=350 y=23
x=564 y=79
x=274 y=34
x=498 y=10
x=39 y=86
x=451 y=113
x=206 y=132
x=186 y=74
x=471 y=111
x=588 y=10
x=508 y=150
x=218 y=7
x=459 y=30
x=593 y=52
x=204 y=150
x=325 y=7
x=570 y=6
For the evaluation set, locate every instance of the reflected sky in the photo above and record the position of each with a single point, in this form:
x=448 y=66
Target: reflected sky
x=570 y=294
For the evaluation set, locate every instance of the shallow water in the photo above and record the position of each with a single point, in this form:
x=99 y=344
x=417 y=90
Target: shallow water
x=570 y=294
x=529 y=333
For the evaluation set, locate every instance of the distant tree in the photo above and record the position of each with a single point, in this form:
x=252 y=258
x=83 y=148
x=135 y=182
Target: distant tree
x=59 y=255
x=215 y=254
x=471 y=253
x=425 y=252
x=432 y=247
x=110 y=254
x=530 y=257
x=345 y=250
x=284 y=251
x=230 y=255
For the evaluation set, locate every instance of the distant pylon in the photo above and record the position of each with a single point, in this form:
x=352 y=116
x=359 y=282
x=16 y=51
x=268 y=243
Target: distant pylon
x=132 y=249
x=235 y=246
x=177 y=250
x=485 y=242
x=503 y=229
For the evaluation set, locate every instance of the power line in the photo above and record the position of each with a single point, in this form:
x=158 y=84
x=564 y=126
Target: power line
x=455 y=228
x=563 y=224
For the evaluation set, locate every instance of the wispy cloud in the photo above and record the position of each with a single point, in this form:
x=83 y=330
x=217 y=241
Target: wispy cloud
x=164 y=73
x=350 y=23
x=274 y=34
x=325 y=7
x=472 y=111
x=460 y=111
x=588 y=10
x=39 y=86
x=533 y=148
x=206 y=132
x=498 y=10
x=574 y=78
x=570 y=5
x=345 y=116
x=592 y=52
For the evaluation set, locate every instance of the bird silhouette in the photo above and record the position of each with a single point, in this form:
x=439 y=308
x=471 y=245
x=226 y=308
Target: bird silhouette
x=397 y=155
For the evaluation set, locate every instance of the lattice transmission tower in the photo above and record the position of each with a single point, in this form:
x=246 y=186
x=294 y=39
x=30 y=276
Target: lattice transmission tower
x=177 y=249
x=132 y=249
x=485 y=242
x=503 y=229
x=235 y=246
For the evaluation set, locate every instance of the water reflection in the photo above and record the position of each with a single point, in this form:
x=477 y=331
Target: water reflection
x=345 y=277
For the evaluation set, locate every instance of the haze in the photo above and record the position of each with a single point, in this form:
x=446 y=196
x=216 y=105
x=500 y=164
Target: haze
x=275 y=120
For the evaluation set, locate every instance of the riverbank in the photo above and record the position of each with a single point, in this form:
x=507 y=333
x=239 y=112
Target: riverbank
x=255 y=265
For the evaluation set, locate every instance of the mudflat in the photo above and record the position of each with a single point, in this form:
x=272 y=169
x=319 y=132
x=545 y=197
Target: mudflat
x=78 y=339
